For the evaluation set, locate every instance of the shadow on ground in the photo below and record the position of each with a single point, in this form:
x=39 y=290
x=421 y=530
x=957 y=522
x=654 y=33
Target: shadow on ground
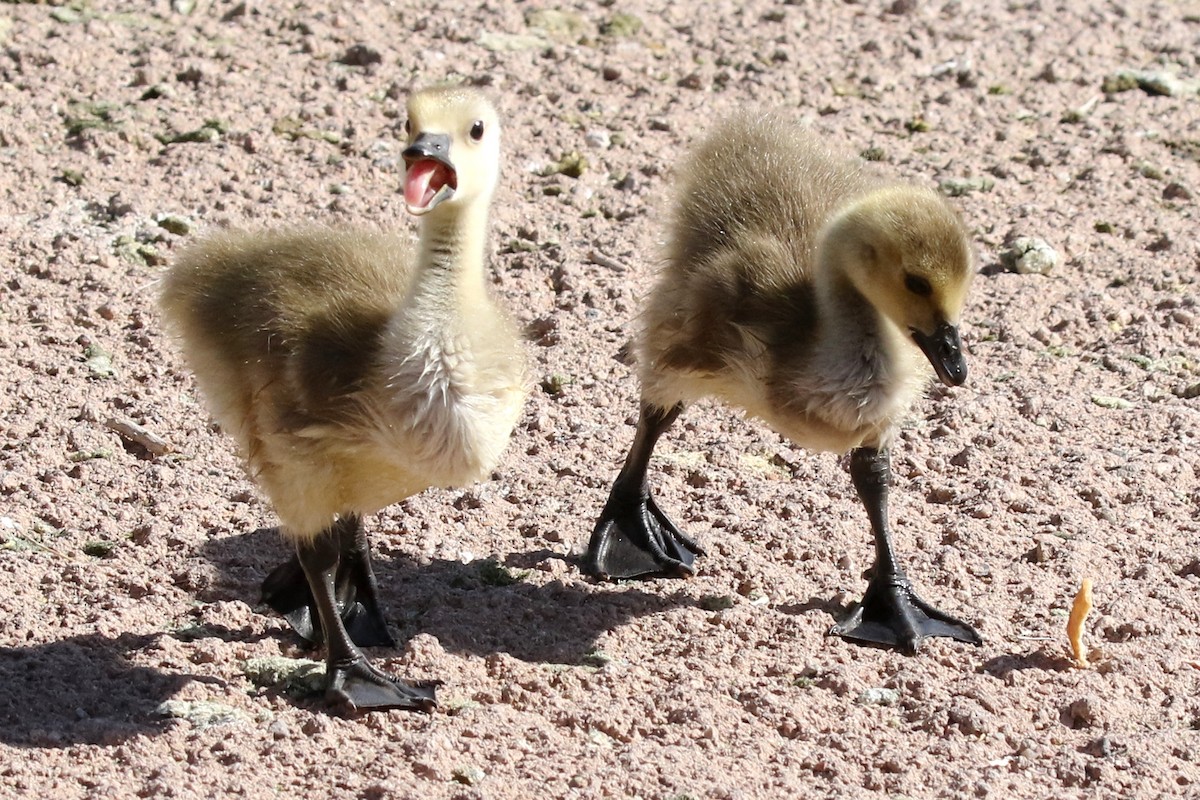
x=470 y=608
x=81 y=690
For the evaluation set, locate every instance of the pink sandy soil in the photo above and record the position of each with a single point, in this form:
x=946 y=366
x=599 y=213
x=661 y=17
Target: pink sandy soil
x=129 y=572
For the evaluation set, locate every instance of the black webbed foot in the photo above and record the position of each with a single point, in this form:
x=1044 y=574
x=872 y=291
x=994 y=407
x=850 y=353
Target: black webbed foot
x=361 y=686
x=635 y=539
x=892 y=615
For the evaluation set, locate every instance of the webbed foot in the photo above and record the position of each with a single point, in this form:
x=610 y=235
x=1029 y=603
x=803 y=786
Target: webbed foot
x=361 y=686
x=892 y=615
x=635 y=539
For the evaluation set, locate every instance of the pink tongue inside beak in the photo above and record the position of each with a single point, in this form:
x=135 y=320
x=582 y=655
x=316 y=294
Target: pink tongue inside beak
x=423 y=180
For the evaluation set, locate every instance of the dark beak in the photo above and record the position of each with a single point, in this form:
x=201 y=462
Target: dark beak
x=434 y=146
x=943 y=348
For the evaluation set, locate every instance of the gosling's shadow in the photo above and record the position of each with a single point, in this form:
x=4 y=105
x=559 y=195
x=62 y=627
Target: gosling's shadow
x=479 y=607
x=81 y=690
x=1003 y=666
x=830 y=605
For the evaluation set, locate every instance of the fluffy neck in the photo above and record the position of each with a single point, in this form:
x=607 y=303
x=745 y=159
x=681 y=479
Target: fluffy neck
x=450 y=259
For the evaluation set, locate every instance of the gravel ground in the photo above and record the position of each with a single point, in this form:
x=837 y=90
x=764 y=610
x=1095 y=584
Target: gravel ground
x=134 y=659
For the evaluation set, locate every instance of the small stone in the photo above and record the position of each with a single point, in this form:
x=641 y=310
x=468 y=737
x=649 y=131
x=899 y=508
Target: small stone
x=621 y=25
x=1029 y=255
x=296 y=676
x=71 y=177
x=969 y=721
x=572 y=164
x=279 y=729
x=174 y=223
x=469 y=775
x=98 y=361
x=200 y=713
x=1117 y=403
x=1081 y=713
x=716 y=602
x=879 y=696
x=1176 y=191
x=361 y=55
x=598 y=137
x=1155 y=82
x=1160 y=243
x=1039 y=554
x=511 y=42
x=557 y=23
x=957 y=187
x=66 y=15
x=1188 y=392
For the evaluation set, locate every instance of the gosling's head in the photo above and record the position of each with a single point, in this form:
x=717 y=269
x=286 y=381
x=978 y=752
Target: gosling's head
x=453 y=153
x=905 y=250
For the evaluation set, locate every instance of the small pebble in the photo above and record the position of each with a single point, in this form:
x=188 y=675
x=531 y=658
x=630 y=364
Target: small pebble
x=279 y=729
x=598 y=137
x=1029 y=255
x=1081 y=713
x=879 y=696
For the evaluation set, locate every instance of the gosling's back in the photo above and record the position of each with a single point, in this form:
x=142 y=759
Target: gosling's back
x=757 y=178
x=301 y=312
x=736 y=282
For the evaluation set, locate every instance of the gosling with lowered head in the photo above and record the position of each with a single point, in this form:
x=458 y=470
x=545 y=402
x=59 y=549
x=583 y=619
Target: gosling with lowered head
x=815 y=295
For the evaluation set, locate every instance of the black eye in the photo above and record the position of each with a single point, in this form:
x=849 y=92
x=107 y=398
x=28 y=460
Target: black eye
x=917 y=285
x=407 y=127
x=477 y=130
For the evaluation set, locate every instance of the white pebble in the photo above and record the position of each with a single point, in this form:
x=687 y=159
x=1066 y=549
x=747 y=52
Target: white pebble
x=598 y=137
x=1030 y=255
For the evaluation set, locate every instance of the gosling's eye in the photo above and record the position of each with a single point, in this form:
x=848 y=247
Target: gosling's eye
x=407 y=127
x=477 y=130
x=917 y=285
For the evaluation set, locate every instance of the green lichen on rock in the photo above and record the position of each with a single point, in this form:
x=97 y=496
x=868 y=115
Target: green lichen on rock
x=98 y=361
x=1155 y=82
x=98 y=115
x=211 y=131
x=557 y=23
x=957 y=187
x=716 y=602
x=201 y=713
x=174 y=223
x=621 y=25
x=292 y=129
x=493 y=573
x=297 y=677
x=572 y=164
x=135 y=252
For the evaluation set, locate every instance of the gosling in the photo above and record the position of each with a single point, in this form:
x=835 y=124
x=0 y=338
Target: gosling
x=354 y=372
x=814 y=295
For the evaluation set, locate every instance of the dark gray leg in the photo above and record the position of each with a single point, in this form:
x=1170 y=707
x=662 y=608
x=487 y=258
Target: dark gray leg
x=890 y=613
x=287 y=591
x=633 y=538
x=350 y=677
